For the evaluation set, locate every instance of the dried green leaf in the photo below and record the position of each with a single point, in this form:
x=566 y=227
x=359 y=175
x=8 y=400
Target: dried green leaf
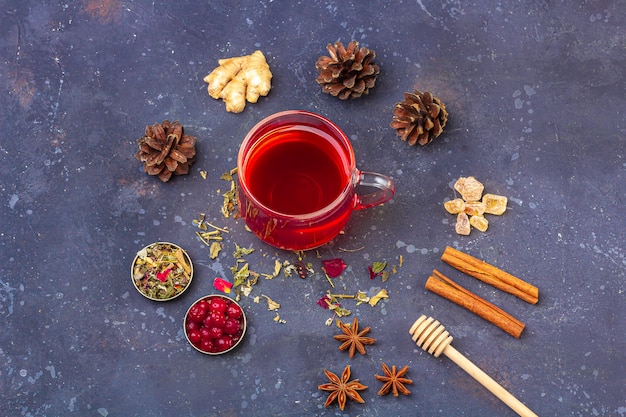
x=361 y=297
x=339 y=311
x=241 y=275
x=241 y=252
x=378 y=267
x=214 y=250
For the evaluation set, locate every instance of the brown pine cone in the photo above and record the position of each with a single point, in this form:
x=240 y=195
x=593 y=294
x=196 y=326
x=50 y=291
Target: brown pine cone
x=165 y=150
x=420 y=118
x=348 y=72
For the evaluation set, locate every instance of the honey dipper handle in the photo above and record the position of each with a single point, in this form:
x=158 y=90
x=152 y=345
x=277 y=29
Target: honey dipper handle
x=486 y=381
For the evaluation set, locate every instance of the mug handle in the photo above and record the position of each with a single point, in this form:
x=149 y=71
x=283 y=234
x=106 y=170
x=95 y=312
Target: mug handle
x=384 y=187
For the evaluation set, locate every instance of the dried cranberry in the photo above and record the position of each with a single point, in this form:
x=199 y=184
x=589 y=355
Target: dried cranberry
x=216 y=332
x=194 y=336
x=197 y=313
x=217 y=304
x=192 y=325
x=217 y=319
x=231 y=326
x=223 y=343
x=208 y=345
x=233 y=311
x=205 y=334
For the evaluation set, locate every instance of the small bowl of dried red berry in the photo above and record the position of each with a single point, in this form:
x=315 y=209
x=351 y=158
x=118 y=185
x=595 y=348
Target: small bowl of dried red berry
x=215 y=324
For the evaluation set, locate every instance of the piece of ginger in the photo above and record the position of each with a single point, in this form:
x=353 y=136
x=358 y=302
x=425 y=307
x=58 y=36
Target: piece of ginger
x=239 y=79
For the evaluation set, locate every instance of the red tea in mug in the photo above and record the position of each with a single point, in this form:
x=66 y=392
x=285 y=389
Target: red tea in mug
x=296 y=170
x=298 y=179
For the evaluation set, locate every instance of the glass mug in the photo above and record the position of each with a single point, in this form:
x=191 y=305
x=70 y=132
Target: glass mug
x=298 y=182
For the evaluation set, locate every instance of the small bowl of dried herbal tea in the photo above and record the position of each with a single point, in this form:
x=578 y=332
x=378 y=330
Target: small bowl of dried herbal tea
x=215 y=324
x=161 y=271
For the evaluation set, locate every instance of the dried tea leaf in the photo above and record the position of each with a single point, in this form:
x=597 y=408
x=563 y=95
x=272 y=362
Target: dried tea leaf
x=494 y=204
x=339 y=311
x=241 y=252
x=361 y=297
x=277 y=267
x=214 y=250
x=277 y=319
x=379 y=296
x=454 y=206
x=378 y=267
x=241 y=275
x=470 y=188
x=229 y=206
x=462 y=226
x=479 y=222
x=227 y=176
x=288 y=269
x=271 y=304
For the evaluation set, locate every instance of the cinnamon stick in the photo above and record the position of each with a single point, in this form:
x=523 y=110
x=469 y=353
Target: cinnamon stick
x=450 y=290
x=491 y=275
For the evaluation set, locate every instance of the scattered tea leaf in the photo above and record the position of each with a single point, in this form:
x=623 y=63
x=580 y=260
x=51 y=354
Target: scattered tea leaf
x=241 y=275
x=241 y=252
x=214 y=250
x=200 y=222
x=379 y=296
x=277 y=319
x=271 y=304
x=277 y=267
x=378 y=267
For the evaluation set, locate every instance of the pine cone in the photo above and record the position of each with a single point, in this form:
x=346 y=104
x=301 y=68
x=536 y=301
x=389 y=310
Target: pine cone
x=419 y=118
x=165 y=150
x=348 y=72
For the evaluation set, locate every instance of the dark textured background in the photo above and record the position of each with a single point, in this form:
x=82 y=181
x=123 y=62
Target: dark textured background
x=536 y=95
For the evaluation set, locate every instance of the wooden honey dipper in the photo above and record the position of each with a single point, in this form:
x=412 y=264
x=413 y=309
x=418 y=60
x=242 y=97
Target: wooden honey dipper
x=433 y=338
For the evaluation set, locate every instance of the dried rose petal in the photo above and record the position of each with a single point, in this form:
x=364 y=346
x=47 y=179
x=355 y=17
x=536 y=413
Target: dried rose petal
x=323 y=302
x=162 y=276
x=371 y=271
x=334 y=267
x=222 y=285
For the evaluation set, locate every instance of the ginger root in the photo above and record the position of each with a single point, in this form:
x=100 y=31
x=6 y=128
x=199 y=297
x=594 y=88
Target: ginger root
x=239 y=79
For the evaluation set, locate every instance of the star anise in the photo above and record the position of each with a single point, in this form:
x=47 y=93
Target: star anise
x=353 y=339
x=342 y=389
x=394 y=381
